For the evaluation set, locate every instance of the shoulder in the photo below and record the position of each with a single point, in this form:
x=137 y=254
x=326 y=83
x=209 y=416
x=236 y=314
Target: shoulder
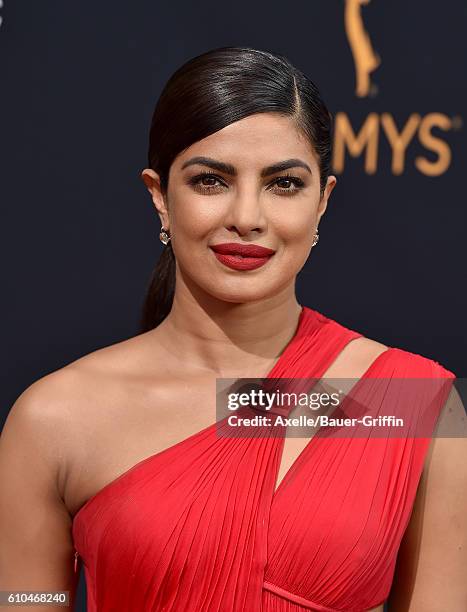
x=99 y=371
x=395 y=362
x=57 y=412
x=362 y=348
x=416 y=385
x=414 y=364
x=52 y=396
x=39 y=414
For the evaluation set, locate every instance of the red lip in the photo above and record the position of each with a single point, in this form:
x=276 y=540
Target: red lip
x=247 y=250
x=242 y=256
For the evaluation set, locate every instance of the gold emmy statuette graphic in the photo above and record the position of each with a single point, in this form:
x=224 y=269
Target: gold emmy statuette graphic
x=365 y=58
x=365 y=141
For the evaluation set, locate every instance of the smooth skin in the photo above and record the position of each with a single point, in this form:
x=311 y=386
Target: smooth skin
x=77 y=429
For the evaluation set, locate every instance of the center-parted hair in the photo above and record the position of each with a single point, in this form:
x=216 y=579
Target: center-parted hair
x=204 y=95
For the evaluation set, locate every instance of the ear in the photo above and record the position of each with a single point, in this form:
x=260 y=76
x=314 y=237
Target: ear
x=330 y=184
x=152 y=181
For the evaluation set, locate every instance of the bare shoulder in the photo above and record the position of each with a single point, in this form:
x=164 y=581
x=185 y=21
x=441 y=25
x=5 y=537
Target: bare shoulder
x=356 y=357
x=54 y=396
x=58 y=415
x=366 y=349
x=38 y=419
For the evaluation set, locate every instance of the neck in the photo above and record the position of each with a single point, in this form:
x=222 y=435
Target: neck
x=226 y=338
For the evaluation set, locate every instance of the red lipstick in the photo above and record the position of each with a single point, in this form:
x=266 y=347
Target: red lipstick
x=242 y=256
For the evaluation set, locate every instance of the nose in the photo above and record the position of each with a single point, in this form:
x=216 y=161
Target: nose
x=245 y=213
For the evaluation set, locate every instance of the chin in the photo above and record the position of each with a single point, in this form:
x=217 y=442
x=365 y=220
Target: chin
x=239 y=295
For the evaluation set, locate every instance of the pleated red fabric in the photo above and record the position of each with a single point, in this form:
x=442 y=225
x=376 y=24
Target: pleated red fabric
x=200 y=526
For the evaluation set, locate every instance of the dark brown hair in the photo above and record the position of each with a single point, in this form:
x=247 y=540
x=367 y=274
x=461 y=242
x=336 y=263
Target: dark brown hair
x=208 y=93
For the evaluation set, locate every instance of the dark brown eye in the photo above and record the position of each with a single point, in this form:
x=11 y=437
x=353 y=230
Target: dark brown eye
x=284 y=184
x=204 y=182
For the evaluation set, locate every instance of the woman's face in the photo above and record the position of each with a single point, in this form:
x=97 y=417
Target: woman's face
x=244 y=201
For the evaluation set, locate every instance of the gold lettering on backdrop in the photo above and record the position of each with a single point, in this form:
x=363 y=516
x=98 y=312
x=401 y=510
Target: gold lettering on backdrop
x=365 y=58
x=345 y=137
x=399 y=142
x=434 y=144
x=366 y=140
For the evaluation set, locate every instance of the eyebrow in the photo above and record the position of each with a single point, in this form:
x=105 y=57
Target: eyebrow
x=229 y=169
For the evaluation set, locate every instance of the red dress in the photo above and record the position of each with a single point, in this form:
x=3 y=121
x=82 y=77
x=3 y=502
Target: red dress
x=198 y=526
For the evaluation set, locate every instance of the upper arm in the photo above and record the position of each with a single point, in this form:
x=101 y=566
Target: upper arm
x=36 y=551
x=431 y=570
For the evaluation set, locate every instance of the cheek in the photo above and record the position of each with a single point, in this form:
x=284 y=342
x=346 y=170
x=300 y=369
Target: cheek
x=296 y=228
x=295 y=231
x=194 y=219
x=294 y=223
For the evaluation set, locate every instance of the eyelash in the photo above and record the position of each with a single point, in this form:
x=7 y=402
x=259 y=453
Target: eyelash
x=194 y=182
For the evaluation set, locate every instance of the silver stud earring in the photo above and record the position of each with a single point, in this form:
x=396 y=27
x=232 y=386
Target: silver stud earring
x=315 y=239
x=164 y=236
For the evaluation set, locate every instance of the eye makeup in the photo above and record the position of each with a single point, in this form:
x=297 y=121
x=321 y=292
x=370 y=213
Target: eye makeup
x=196 y=182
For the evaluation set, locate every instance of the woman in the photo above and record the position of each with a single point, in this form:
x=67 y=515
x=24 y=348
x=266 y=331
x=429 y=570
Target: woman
x=119 y=452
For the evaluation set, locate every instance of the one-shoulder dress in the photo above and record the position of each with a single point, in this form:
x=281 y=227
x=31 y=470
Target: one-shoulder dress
x=201 y=526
